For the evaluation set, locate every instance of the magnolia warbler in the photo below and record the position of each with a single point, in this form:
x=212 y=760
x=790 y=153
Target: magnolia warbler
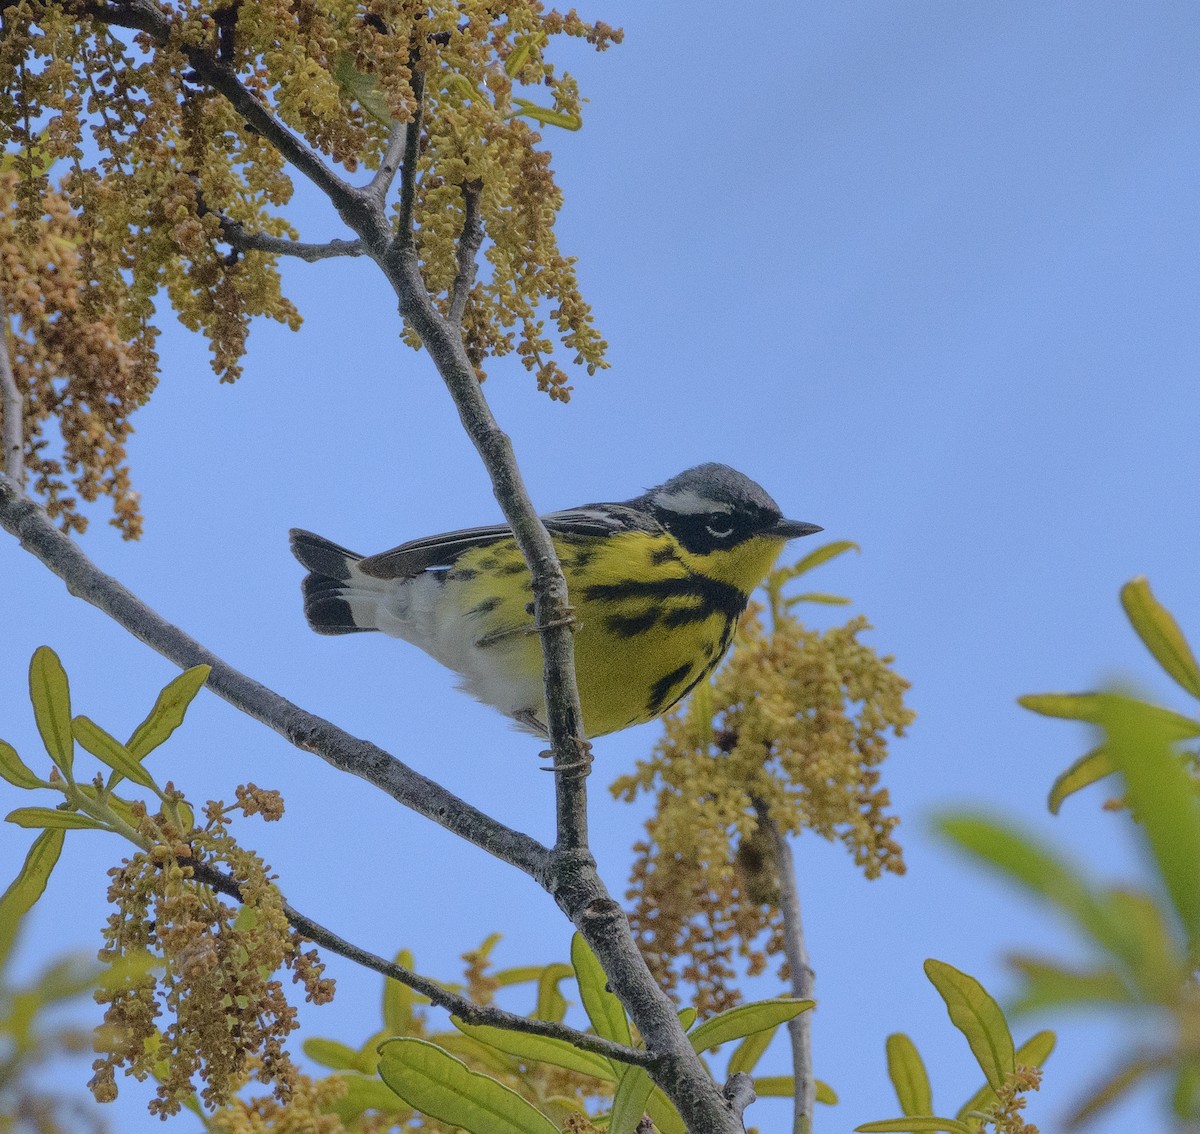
x=657 y=584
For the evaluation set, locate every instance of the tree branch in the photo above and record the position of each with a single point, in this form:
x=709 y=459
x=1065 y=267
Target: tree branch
x=468 y=248
x=794 y=948
x=146 y=16
x=568 y=872
x=12 y=407
x=237 y=237
x=460 y=1006
x=308 y=732
x=408 y=173
x=392 y=158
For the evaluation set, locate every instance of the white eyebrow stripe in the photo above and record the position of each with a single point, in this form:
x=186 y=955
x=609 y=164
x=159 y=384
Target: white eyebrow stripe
x=688 y=502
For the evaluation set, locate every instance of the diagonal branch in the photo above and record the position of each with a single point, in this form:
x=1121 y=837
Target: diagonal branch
x=392 y=158
x=468 y=248
x=146 y=16
x=308 y=732
x=12 y=408
x=237 y=237
x=460 y=1006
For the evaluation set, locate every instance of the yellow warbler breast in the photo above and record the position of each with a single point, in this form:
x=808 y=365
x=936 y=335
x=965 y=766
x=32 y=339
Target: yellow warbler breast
x=652 y=621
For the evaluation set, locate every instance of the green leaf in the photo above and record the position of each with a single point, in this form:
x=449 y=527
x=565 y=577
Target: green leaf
x=974 y=1013
x=472 y=1051
x=915 y=1124
x=825 y=1093
x=1090 y=707
x=909 y=1077
x=1160 y=632
x=746 y=1055
x=745 y=1020
x=1051 y=985
x=629 y=1102
x=1032 y=1053
x=29 y=884
x=816 y=596
x=109 y=750
x=1040 y=870
x=539 y=1049
x=775 y=1086
x=1112 y=1088
x=361 y=88
x=545 y=115
x=168 y=712
x=53 y=819
x=433 y=1082
x=520 y=53
x=1153 y=954
x=523 y=974
x=551 y=1004
x=602 y=1007
x=815 y=558
x=334 y=1055
x=687 y=1017
x=784 y=1087
x=1185 y=1098
x=398 y=999
x=663 y=1114
x=1163 y=797
x=365 y=1093
x=51 y=697
x=13 y=769
x=1089 y=768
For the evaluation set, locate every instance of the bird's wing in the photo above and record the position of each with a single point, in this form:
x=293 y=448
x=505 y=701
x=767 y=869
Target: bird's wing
x=440 y=551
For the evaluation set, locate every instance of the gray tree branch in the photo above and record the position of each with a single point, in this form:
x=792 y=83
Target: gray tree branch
x=29 y=523
x=12 y=407
x=466 y=1010
x=237 y=237
x=794 y=948
x=568 y=872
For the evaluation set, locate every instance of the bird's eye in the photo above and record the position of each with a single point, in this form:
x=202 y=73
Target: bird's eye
x=720 y=525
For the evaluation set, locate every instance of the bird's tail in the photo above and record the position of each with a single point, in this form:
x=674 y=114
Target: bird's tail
x=337 y=598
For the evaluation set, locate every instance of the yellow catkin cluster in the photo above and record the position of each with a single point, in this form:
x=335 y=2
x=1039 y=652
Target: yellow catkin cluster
x=796 y=725
x=71 y=364
x=309 y=1110
x=212 y=1009
x=1005 y=1114
x=152 y=165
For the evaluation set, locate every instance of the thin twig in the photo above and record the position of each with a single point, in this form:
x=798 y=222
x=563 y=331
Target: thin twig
x=12 y=406
x=794 y=948
x=237 y=237
x=468 y=248
x=393 y=156
x=308 y=732
x=460 y=1006
x=408 y=172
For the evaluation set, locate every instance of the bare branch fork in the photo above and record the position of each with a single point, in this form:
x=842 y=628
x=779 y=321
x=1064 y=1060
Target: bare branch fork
x=568 y=871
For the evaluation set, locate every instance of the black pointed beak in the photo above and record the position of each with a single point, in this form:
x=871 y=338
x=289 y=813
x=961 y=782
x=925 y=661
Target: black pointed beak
x=792 y=529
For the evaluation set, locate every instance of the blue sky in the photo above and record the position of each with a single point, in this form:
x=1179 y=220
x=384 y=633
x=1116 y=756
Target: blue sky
x=928 y=272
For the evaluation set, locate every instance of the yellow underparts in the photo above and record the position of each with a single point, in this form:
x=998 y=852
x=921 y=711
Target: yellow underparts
x=652 y=620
